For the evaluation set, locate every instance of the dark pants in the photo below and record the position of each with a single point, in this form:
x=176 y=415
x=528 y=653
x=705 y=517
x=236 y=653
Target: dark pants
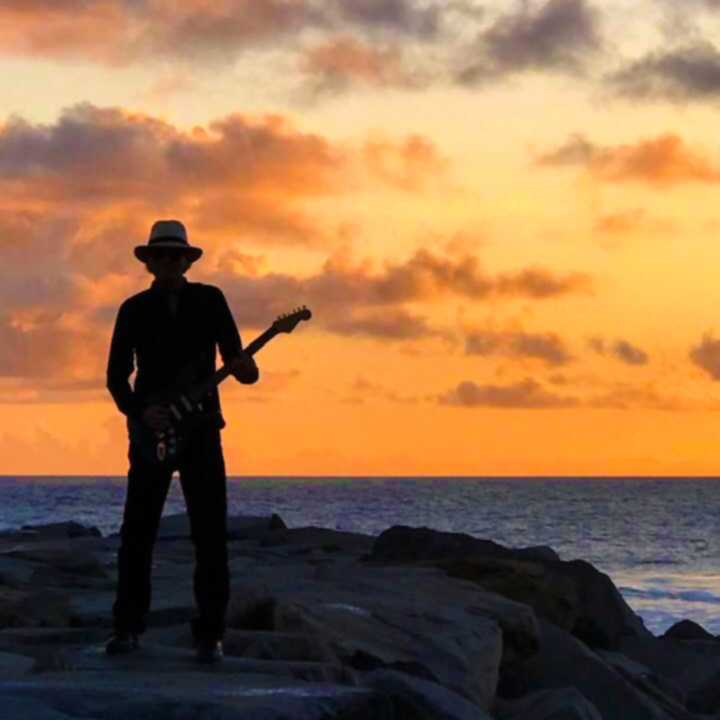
x=204 y=485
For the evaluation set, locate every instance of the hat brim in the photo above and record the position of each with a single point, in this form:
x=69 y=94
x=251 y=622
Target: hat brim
x=144 y=252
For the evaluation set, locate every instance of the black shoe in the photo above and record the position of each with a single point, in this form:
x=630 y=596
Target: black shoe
x=209 y=651
x=121 y=643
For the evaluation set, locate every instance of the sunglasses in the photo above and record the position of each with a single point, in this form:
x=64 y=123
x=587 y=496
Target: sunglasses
x=170 y=253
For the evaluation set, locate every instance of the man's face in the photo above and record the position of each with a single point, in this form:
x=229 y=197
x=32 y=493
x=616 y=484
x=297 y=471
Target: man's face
x=168 y=263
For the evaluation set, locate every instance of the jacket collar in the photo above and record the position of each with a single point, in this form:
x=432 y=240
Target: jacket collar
x=157 y=289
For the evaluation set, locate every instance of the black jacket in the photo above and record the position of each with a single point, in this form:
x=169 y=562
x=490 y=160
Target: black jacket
x=160 y=343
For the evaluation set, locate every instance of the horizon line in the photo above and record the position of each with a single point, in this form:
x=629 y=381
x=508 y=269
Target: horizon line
x=398 y=476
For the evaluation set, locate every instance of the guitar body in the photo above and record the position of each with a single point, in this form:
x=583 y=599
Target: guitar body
x=160 y=449
x=163 y=449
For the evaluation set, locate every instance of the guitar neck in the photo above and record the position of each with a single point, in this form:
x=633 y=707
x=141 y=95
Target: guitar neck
x=199 y=390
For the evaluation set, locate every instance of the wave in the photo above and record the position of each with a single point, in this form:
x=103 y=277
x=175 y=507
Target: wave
x=691 y=595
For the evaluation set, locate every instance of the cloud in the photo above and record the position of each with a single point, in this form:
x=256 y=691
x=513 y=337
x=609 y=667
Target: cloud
x=630 y=354
x=48 y=350
x=691 y=72
x=547 y=347
x=339 y=63
x=250 y=175
x=76 y=190
x=411 y=165
x=364 y=389
x=556 y=36
x=100 y=154
x=661 y=161
x=196 y=30
x=624 y=396
x=405 y=16
x=525 y=394
x=392 y=323
x=349 y=297
x=426 y=275
x=621 y=349
x=141 y=30
x=80 y=192
x=706 y=355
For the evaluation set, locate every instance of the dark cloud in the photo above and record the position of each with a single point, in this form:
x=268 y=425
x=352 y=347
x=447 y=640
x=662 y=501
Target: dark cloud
x=196 y=30
x=111 y=153
x=541 y=283
x=393 y=324
x=364 y=389
x=406 y=16
x=691 y=72
x=557 y=36
x=525 y=394
x=547 y=347
x=629 y=353
x=427 y=275
x=664 y=160
x=247 y=173
x=340 y=63
x=620 y=349
x=251 y=174
x=349 y=298
x=624 y=396
x=706 y=355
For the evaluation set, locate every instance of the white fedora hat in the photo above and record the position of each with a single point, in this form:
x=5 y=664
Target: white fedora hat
x=167 y=234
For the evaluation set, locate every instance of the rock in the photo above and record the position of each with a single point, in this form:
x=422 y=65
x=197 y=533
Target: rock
x=687 y=630
x=705 y=698
x=28 y=707
x=684 y=669
x=71 y=560
x=558 y=704
x=13 y=665
x=665 y=692
x=157 y=659
x=70 y=529
x=327 y=624
x=186 y=694
x=412 y=619
x=419 y=698
x=538 y=552
x=278 y=646
x=564 y=661
x=177 y=526
x=15 y=572
x=40 y=608
x=26 y=637
x=572 y=595
x=325 y=539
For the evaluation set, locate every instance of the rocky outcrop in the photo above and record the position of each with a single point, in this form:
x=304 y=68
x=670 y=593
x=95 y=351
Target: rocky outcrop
x=572 y=595
x=412 y=624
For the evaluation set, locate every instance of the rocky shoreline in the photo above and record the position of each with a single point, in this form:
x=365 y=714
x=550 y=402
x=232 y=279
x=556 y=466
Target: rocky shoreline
x=410 y=624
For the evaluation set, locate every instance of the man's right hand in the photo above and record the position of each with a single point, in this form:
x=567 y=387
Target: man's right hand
x=156 y=417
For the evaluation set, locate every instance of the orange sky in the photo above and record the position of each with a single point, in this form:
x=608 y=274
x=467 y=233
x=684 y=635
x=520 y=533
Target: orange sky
x=501 y=215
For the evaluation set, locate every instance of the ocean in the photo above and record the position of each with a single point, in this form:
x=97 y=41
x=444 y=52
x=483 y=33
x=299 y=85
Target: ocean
x=657 y=538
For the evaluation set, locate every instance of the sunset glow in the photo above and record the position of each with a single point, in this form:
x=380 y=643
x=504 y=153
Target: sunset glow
x=502 y=216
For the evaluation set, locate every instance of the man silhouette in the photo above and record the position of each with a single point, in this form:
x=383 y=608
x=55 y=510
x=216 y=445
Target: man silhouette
x=172 y=326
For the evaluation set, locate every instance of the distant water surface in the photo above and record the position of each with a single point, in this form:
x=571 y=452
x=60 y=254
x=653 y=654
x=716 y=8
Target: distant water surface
x=657 y=538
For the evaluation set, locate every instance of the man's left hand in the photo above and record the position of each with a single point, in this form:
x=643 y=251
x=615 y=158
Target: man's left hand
x=244 y=369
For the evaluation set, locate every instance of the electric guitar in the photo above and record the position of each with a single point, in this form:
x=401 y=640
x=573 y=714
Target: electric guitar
x=163 y=447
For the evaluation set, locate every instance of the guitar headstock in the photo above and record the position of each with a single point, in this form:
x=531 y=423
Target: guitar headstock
x=288 y=322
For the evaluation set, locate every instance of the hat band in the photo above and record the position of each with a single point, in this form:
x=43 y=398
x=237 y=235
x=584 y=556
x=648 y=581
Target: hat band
x=168 y=239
